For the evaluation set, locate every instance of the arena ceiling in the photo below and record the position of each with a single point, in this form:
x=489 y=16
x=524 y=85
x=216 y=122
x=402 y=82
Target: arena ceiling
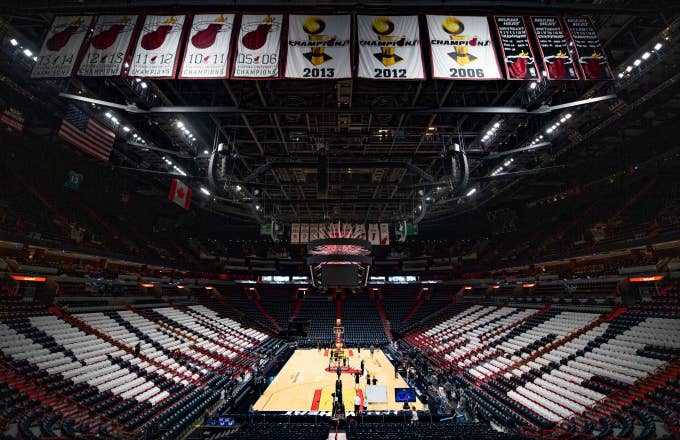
x=383 y=140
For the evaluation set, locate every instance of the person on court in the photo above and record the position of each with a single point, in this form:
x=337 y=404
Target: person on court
x=357 y=403
x=356 y=379
x=338 y=371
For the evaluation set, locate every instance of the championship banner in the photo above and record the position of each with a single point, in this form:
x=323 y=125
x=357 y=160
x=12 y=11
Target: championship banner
x=59 y=51
x=108 y=46
x=157 y=49
x=259 y=46
x=360 y=231
x=374 y=233
x=462 y=48
x=591 y=59
x=206 y=52
x=304 y=233
x=389 y=47
x=295 y=233
x=313 y=232
x=518 y=57
x=319 y=46
x=557 y=61
x=384 y=234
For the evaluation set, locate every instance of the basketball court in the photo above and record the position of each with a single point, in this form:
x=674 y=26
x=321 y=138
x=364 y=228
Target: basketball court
x=303 y=384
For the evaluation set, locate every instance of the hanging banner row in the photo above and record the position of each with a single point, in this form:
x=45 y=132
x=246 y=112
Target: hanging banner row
x=251 y=46
x=376 y=233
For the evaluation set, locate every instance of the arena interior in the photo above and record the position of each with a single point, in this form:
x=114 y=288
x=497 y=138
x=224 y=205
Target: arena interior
x=329 y=219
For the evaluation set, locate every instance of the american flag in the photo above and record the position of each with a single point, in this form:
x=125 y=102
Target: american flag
x=88 y=135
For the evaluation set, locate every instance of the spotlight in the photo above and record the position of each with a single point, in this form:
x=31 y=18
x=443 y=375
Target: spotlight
x=126 y=129
x=180 y=124
x=471 y=192
x=28 y=53
x=206 y=152
x=646 y=55
x=637 y=62
x=13 y=42
x=533 y=85
x=205 y=191
x=143 y=85
x=658 y=46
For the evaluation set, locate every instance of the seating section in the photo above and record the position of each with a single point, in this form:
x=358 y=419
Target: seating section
x=362 y=322
x=81 y=373
x=549 y=366
x=425 y=431
x=321 y=313
x=271 y=431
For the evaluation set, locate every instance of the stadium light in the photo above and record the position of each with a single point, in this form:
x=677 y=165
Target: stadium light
x=28 y=53
x=471 y=192
x=646 y=55
x=206 y=152
x=13 y=42
x=108 y=115
x=205 y=191
x=658 y=46
x=238 y=188
x=143 y=84
x=533 y=85
x=180 y=124
x=637 y=62
x=126 y=129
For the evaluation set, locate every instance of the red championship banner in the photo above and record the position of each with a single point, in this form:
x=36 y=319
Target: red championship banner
x=258 y=49
x=558 y=61
x=591 y=59
x=461 y=48
x=59 y=52
x=207 y=49
x=108 y=46
x=518 y=57
x=156 y=51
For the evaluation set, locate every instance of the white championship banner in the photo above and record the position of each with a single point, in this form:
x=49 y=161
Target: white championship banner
x=462 y=48
x=360 y=231
x=313 y=232
x=156 y=51
x=259 y=46
x=206 y=53
x=295 y=233
x=319 y=46
x=389 y=47
x=59 y=51
x=304 y=233
x=109 y=45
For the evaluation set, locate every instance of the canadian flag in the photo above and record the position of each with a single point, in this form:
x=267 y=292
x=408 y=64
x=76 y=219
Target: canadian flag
x=180 y=194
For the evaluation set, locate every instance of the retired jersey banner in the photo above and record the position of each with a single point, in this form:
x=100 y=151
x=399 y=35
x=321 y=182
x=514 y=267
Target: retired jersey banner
x=518 y=57
x=157 y=49
x=259 y=46
x=319 y=46
x=295 y=233
x=557 y=61
x=206 y=53
x=462 y=48
x=108 y=46
x=384 y=234
x=374 y=233
x=59 y=51
x=591 y=59
x=389 y=47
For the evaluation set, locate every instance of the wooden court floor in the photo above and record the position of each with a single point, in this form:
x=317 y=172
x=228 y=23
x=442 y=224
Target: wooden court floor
x=304 y=377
